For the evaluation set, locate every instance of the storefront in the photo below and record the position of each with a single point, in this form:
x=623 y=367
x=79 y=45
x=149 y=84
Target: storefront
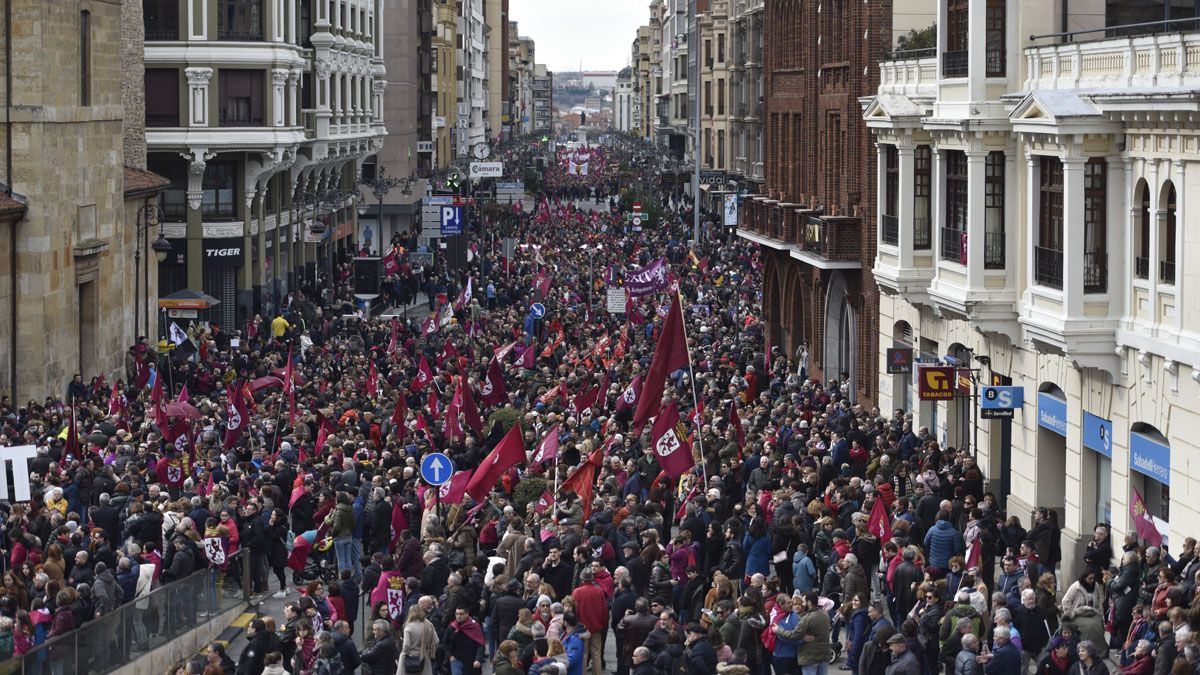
x=1150 y=472
x=222 y=259
x=1051 y=446
x=1097 y=467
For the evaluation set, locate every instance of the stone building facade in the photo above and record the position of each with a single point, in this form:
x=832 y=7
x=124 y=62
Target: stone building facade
x=815 y=218
x=69 y=233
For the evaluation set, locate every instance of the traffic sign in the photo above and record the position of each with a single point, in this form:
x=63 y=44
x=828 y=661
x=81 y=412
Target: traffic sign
x=637 y=220
x=451 y=217
x=537 y=310
x=436 y=468
x=1000 y=402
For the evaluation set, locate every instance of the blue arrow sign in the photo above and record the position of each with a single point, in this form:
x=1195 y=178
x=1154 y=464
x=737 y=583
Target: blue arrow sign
x=436 y=468
x=537 y=310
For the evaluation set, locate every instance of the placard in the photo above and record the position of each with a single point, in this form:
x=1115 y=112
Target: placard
x=615 y=301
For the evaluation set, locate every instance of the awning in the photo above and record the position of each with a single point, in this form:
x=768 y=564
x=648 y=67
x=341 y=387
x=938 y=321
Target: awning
x=188 y=299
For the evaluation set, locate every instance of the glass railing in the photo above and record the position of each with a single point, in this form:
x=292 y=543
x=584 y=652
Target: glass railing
x=134 y=629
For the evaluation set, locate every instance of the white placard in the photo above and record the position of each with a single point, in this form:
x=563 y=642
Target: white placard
x=616 y=301
x=19 y=456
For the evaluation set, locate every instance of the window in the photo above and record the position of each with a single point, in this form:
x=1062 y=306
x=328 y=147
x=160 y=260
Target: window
x=304 y=34
x=889 y=226
x=162 y=97
x=721 y=97
x=720 y=148
x=922 y=193
x=708 y=53
x=1095 y=223
x=1048 y=253
x=161 y=19
x=219 y=200
x=708 y=149
x=241 y=96
x=954 y=230
x=85 y=58
x=720 y=48
x=239 y=20
x=1142 y=261
x=994 y=38
x=835 y=144
x=708 y=106
x=1166 y=237
x=172 y=200
x=954 y=58
x=993 y=211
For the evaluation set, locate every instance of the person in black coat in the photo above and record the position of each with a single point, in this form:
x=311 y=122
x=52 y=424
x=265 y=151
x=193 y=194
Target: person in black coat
x=506 y=608
x=108 y=517
x=701 y=657
x=381 y=657
x=350 y=594
x=277 y=553
x=437 y=571
x=380 y=526
x=253 y=532
x=256 y=649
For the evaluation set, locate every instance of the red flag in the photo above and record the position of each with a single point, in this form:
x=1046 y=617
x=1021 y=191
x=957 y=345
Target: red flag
x=582 y=479
x=548 y=448
x=238 y=418
x=670 y=354
x=451 y=428
x=469 y=408
x=157 y=402
x=183 y=395
x=170 y=471
x=543 y=502
x=424 y=376
x=114 y=401
x=289 y=386
x=697 y=416
x=629 y=397
x=325 y=429
x=494 y=389
x=1143 y=523
x=432 y=323
x=390 y=264
x=683 y=504
x=674 y=455
x=508 y=452
x=585 y=400
x=735 y=421
x=71 y=446
x=395 y=341
x=450 y=492
x=502 y=352
x=400 y=412
x=399 y=522
x=528 y=356
x=548 y=397
x=372 y=380
x=251 y=329
x=880 y=523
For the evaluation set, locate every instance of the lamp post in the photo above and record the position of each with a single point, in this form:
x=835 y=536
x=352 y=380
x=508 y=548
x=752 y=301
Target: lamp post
x=380 y=185
x=148 y=215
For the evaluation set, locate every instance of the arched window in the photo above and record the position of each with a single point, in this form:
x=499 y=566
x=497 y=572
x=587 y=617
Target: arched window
x=1166 y=235
x=1141 y=245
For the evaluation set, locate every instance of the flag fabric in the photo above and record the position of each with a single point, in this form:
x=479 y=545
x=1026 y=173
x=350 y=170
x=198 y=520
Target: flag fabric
x=170 y=471
x=450 y=492
x=183 y=395
x=177 y=334
x=424 y=376
x=880 y=523
x=399 y=413
x=493 y=390
x=325 y=429
x=465 y=296
x=390 y=264
x=372 y=380
x=115 y=406
x=469 y=408
x=1143 y=523
x=502 y=353
x=735 y=421
x=674 y=455
x=395 y=341
x=697 y=416
x=548 y=448
x=528 y=356
x=159 y=404
x=451 y=428
x=582 y=479
x=670 y=354
x=543 y=503
x=238 y=417
x=509 y=452
x=71 y=443
x=289 y=387
x=683 y=504
x=585 y=400
x=434 y=408
x=629 y=397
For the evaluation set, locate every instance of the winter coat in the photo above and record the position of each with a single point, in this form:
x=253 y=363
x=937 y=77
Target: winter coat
x=1089 y=625
x=907 y=664
x=758 y=554
x=965 y=664
x=804 y=572
x=1123 y=590
x=943 y=542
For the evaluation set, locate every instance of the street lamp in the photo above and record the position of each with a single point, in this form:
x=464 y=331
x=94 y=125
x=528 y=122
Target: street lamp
x=380 y=185
x=148 y=215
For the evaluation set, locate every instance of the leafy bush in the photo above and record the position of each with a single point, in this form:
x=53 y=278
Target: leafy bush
x=528 y=491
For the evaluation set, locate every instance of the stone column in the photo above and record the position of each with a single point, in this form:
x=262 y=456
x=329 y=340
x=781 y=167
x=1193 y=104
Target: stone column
x=976 y=176
x=906 y=203
x=293 y=98
x=279 y=101
x=197 y=160
x=1072 y=258
x=1118 y=253
x=1032 y=176
x=198 y=79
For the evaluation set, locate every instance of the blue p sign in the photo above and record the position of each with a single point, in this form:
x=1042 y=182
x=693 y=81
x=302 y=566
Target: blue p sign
x=451 y=220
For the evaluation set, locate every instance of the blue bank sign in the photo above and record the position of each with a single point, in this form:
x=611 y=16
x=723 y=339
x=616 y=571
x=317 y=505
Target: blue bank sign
x=1097 y=434
x=1052 y=413
x=1150 y=457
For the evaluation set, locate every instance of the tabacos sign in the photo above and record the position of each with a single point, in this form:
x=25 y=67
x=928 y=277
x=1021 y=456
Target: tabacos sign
x=225 y=252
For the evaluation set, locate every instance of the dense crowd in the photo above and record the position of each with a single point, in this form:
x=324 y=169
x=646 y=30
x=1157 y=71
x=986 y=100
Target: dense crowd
x=811 y=530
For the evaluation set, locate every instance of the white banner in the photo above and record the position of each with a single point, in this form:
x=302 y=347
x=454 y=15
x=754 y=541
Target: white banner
x=615 y=301
x=19 y=456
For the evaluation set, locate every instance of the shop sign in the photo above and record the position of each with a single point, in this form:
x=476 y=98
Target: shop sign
x=1097 y=434
x=224 y=252
x=1150 y=457
x=899 y=360
x=1052 y=413
x=935 y=383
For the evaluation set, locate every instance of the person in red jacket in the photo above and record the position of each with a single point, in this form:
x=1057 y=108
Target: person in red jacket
x=591 y=607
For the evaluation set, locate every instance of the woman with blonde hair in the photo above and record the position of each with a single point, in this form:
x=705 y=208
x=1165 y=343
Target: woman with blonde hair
x=419 y=641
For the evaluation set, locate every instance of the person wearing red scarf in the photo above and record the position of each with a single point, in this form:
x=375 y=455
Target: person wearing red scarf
x=464 y=644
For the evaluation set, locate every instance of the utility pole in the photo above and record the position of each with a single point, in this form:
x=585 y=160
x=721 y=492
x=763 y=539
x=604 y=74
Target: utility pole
x=694 y=101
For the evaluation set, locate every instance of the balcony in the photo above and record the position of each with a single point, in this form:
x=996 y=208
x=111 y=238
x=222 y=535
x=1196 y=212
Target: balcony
x=954 y=245
x=1048 y=267
x=1095 y=272
x=240 y=34
x=832 y=239
x=909 y=77
x=1141 y=267
x=889 y=230
x=954 y=64
x=922 y=234
x=993 y=250
x=159 y=121
x=1162 y=60
x=161 y=32
x=1166 y=272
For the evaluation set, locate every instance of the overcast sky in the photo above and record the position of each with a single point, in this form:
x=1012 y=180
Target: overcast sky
x=566 y=32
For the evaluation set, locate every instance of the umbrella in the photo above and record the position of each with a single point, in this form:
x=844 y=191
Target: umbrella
x=296 y=376
x=265 y=382
x=188 y=299
x=178 y=409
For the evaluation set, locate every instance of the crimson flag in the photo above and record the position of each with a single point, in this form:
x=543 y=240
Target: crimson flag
x=629 y=397
x=395 y=341
x=683 y=504
x=494 y=389
x=400 y=412
x=424 y=376
x=183 y=395
x=325 y=429
x=114 y=401
x=289 y=385
x=585 y=400
x=372 y=380
x=71 y=447
x=735 y=421
x=469 y=408
x=390 y=264
x=170 y=472
x=543 y=502
x=502 y=352
x=509 y=452
x=528 y=356
x=548 y=448
x=1143 y=523
x=582 y=479
x=451 y=428
x=674 y=455
x=450 y=492
x=670 y=354
x=880 y=523
x=238 y=417
x=399 y=521
x=159 y=404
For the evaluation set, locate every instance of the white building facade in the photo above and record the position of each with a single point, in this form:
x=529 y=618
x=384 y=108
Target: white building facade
x=473 y=81
x=1032 y=223
x=623 y=102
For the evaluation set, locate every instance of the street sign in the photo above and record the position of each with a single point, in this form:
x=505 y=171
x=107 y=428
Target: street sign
x=436 y=468
x=486 y=169
x=537 y=310
x=637 y=220
x=899 y=360
x=936 y=383
x=451 y=220
x=1000 y=402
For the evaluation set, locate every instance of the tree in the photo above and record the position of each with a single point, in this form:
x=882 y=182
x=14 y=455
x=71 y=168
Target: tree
x=926 y=38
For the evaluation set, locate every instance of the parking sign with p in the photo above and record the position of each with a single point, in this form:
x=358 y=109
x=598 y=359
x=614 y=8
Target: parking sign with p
x=451 y=220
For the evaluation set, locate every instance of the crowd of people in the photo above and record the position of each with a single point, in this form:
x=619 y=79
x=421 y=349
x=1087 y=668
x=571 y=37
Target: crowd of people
x=292 y=448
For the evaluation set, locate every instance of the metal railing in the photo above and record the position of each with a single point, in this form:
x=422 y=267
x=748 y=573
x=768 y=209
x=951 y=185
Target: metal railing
x=240 y=34
x=240 y=119
x=160 y=34
x=1166 y=271
x=954 y=247
x=1095 y=272
x=922 y=234
x=136 y=628
x=889 y=230
x=954 y=64
x=1141 y=267
x=993 y=250
x=1048 y=267
x=162 y=120
x=1118 y=31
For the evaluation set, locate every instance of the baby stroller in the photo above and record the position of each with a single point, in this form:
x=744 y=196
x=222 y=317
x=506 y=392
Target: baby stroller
x=312 y=558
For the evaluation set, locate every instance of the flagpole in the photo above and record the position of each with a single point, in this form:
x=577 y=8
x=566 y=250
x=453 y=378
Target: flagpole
x=692 y=377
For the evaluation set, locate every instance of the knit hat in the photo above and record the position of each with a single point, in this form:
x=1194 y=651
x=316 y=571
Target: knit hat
x=543 y=600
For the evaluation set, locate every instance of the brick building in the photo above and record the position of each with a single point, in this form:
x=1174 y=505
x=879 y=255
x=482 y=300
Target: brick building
x=815 y=217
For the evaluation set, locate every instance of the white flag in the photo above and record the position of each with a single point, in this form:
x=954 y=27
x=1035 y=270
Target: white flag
x=178 y=337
